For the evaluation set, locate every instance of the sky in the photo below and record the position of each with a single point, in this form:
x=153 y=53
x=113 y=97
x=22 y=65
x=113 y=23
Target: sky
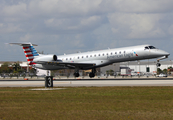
x=69 y=26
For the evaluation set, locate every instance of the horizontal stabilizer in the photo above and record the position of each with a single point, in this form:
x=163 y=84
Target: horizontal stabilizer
x=22 y=44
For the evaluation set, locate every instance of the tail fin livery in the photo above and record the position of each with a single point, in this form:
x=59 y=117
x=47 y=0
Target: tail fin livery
x=29 y=51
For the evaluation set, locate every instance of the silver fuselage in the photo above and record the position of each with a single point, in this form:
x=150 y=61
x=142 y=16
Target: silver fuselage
x=106 y=57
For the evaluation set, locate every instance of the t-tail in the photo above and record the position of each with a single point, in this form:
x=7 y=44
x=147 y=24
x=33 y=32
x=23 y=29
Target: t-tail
x=32 y=55
x=29 y=51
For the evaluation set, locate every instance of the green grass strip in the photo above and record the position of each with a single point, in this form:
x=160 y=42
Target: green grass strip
x=87 y=103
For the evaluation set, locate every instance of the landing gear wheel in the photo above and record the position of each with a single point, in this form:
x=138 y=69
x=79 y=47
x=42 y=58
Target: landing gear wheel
x=158 y=64
x=91 y=75
x=76 y=74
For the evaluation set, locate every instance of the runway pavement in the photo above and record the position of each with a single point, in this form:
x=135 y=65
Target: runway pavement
x=88 y=82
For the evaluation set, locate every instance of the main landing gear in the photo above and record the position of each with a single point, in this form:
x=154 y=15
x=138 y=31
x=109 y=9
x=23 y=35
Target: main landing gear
x=76 y=74
x=92 y=74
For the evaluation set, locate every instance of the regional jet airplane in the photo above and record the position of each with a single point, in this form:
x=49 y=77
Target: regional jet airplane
x=90 y=60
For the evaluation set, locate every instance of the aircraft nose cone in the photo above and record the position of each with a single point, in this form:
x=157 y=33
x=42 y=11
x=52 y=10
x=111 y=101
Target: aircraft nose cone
x=164 y=53
x=168 y=54
x=160 y=53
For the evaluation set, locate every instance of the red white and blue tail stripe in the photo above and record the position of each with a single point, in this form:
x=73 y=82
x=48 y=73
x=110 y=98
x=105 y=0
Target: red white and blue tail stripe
x=28 y=54
x=29 y=51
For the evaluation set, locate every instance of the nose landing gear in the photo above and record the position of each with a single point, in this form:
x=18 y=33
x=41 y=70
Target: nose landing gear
x=158 y=64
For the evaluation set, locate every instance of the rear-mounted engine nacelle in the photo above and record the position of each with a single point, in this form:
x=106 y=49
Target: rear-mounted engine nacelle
x=46 y=58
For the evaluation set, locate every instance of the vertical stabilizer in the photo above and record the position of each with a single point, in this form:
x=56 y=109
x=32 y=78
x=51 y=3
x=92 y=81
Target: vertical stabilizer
x=29 y=51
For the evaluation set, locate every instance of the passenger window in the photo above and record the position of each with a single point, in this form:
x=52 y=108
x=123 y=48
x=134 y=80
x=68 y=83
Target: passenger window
x=78 y=57
x=124 y=52
x=99 y=55
x=115 y=52
x=103 y=54
x=90 y=55
x=82 y=56
x=94 y=55
x=87 y=56
x=119 y=52
x=66 y=58
x=107 y=54
x=111 y=53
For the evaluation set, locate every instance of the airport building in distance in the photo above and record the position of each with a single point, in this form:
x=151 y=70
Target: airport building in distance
x=141 y=66
x=137 y=66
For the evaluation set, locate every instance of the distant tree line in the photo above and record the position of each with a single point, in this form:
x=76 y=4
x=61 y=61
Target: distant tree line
x=165 y=71
x=110 y=72
x=14 y=69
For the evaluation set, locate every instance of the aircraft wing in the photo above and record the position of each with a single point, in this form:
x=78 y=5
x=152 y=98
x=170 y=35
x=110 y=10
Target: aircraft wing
x=66 y=64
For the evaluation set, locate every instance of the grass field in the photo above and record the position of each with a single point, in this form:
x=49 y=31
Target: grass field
x=87 y=103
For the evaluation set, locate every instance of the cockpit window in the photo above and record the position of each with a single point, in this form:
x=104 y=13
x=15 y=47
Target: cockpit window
x=146 y=48
x=151 y=47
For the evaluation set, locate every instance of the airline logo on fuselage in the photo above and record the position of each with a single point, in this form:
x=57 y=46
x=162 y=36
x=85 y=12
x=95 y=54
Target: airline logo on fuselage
x=135 y=54
x=125 y=55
